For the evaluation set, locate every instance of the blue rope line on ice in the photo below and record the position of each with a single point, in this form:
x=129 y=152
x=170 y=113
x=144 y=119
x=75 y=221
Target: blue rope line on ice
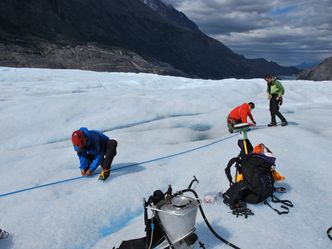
x=116 y=169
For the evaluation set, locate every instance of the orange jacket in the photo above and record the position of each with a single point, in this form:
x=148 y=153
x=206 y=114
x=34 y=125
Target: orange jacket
x=240 y=113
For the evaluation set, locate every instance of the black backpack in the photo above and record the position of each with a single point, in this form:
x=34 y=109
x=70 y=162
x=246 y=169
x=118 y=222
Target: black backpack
x=237 y=161
x=257 y=175
x=258 y=182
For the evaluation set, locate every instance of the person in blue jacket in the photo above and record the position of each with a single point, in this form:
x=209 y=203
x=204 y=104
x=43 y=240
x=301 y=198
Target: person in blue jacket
x=93 y=149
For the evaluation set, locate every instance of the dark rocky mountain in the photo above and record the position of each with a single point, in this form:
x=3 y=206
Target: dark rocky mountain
x=323 y=71
x=273 y=68
x=113 y=35
x=88 y=57
x=173 y=16
x=306 y=65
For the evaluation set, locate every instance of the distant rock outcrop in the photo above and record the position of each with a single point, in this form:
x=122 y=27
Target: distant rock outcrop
x=273 y=68
x=306 y=65
x=86 y=57
x=321 y=72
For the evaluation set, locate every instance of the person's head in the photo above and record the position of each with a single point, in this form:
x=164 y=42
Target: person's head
x=251 y=105
x=79 y=139
x=268 y=78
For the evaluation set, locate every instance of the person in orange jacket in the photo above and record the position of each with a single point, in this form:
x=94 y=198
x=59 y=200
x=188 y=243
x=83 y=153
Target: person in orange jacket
x=239 y=115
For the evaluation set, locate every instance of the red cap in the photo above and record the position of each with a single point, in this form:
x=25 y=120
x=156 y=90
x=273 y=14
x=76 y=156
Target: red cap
x=78 y=139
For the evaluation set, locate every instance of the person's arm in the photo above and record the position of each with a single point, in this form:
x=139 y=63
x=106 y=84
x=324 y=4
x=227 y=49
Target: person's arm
x=95 y=163
x=244 y=115
x=97 y=143
x=268 y=91
x=252 y=118
x=280 y=87
x=84 y=162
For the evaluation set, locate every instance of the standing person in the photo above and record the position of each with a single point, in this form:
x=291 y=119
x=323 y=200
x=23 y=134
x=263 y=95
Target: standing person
x=93 y=149
x=3 y=234
x=275 y=91
x=239 y=115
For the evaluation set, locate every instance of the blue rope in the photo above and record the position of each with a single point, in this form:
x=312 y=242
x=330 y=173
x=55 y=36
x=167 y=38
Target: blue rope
x=120 y=168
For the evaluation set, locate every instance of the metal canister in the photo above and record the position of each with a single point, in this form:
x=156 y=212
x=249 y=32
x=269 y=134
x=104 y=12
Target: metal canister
x=178 y=217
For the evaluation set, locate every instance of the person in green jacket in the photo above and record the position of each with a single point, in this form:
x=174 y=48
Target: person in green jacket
x=275 y=91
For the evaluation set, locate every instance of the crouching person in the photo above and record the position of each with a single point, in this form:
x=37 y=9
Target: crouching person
x=239 y=115
x=93 y=149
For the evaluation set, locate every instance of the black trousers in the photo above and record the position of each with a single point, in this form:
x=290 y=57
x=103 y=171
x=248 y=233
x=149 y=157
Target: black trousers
x=274 y=110
x=231 y=123
x=109 y=155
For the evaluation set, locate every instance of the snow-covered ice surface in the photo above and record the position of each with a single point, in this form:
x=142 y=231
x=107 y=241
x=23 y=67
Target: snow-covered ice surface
x=153 y=116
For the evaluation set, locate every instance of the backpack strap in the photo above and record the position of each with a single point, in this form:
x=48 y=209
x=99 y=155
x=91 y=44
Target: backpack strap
x=235 y=160
x=285 y=204
x=328 y=233
x=280 y=190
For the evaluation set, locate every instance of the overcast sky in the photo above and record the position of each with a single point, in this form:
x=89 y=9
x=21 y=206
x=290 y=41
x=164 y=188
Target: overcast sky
x=285 y=31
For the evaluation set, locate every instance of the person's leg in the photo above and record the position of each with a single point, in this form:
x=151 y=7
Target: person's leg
x=230 y=127
x=280 y=116
x=273 y=107
x=108 y=158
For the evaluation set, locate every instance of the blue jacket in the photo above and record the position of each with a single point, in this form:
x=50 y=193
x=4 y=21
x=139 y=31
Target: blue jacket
x=95 y=150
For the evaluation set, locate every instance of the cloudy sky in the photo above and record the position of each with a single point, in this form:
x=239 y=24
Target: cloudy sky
x=286 y=31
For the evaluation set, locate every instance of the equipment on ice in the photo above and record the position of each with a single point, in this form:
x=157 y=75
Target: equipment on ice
x=3 y=234
x=177 y=216
x=243 y=127
x=328 y=233
x=170 y=221
x=254 y=178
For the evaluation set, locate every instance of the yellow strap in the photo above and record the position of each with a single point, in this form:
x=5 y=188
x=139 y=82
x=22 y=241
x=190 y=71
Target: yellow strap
x=239 y=178
x=245 y=147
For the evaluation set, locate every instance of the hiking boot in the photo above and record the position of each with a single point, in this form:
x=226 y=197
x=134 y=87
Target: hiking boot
x=284 y=123
x=104 y=175
x=272 y=124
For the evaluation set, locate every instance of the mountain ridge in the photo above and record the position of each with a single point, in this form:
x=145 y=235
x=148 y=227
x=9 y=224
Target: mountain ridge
x=128 y=24
x=323 y=71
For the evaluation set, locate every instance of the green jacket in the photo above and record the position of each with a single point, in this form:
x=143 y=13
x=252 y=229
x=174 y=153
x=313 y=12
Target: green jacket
x=275 y=88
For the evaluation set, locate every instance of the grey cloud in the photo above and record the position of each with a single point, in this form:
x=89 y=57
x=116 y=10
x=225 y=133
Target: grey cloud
x=286 y=31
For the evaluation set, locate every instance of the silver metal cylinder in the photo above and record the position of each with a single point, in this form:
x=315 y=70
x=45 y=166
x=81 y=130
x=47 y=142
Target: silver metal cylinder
x=178 y=217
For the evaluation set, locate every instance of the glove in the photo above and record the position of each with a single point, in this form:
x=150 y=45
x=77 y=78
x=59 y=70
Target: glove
x=254 y=122
x=251 y=124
